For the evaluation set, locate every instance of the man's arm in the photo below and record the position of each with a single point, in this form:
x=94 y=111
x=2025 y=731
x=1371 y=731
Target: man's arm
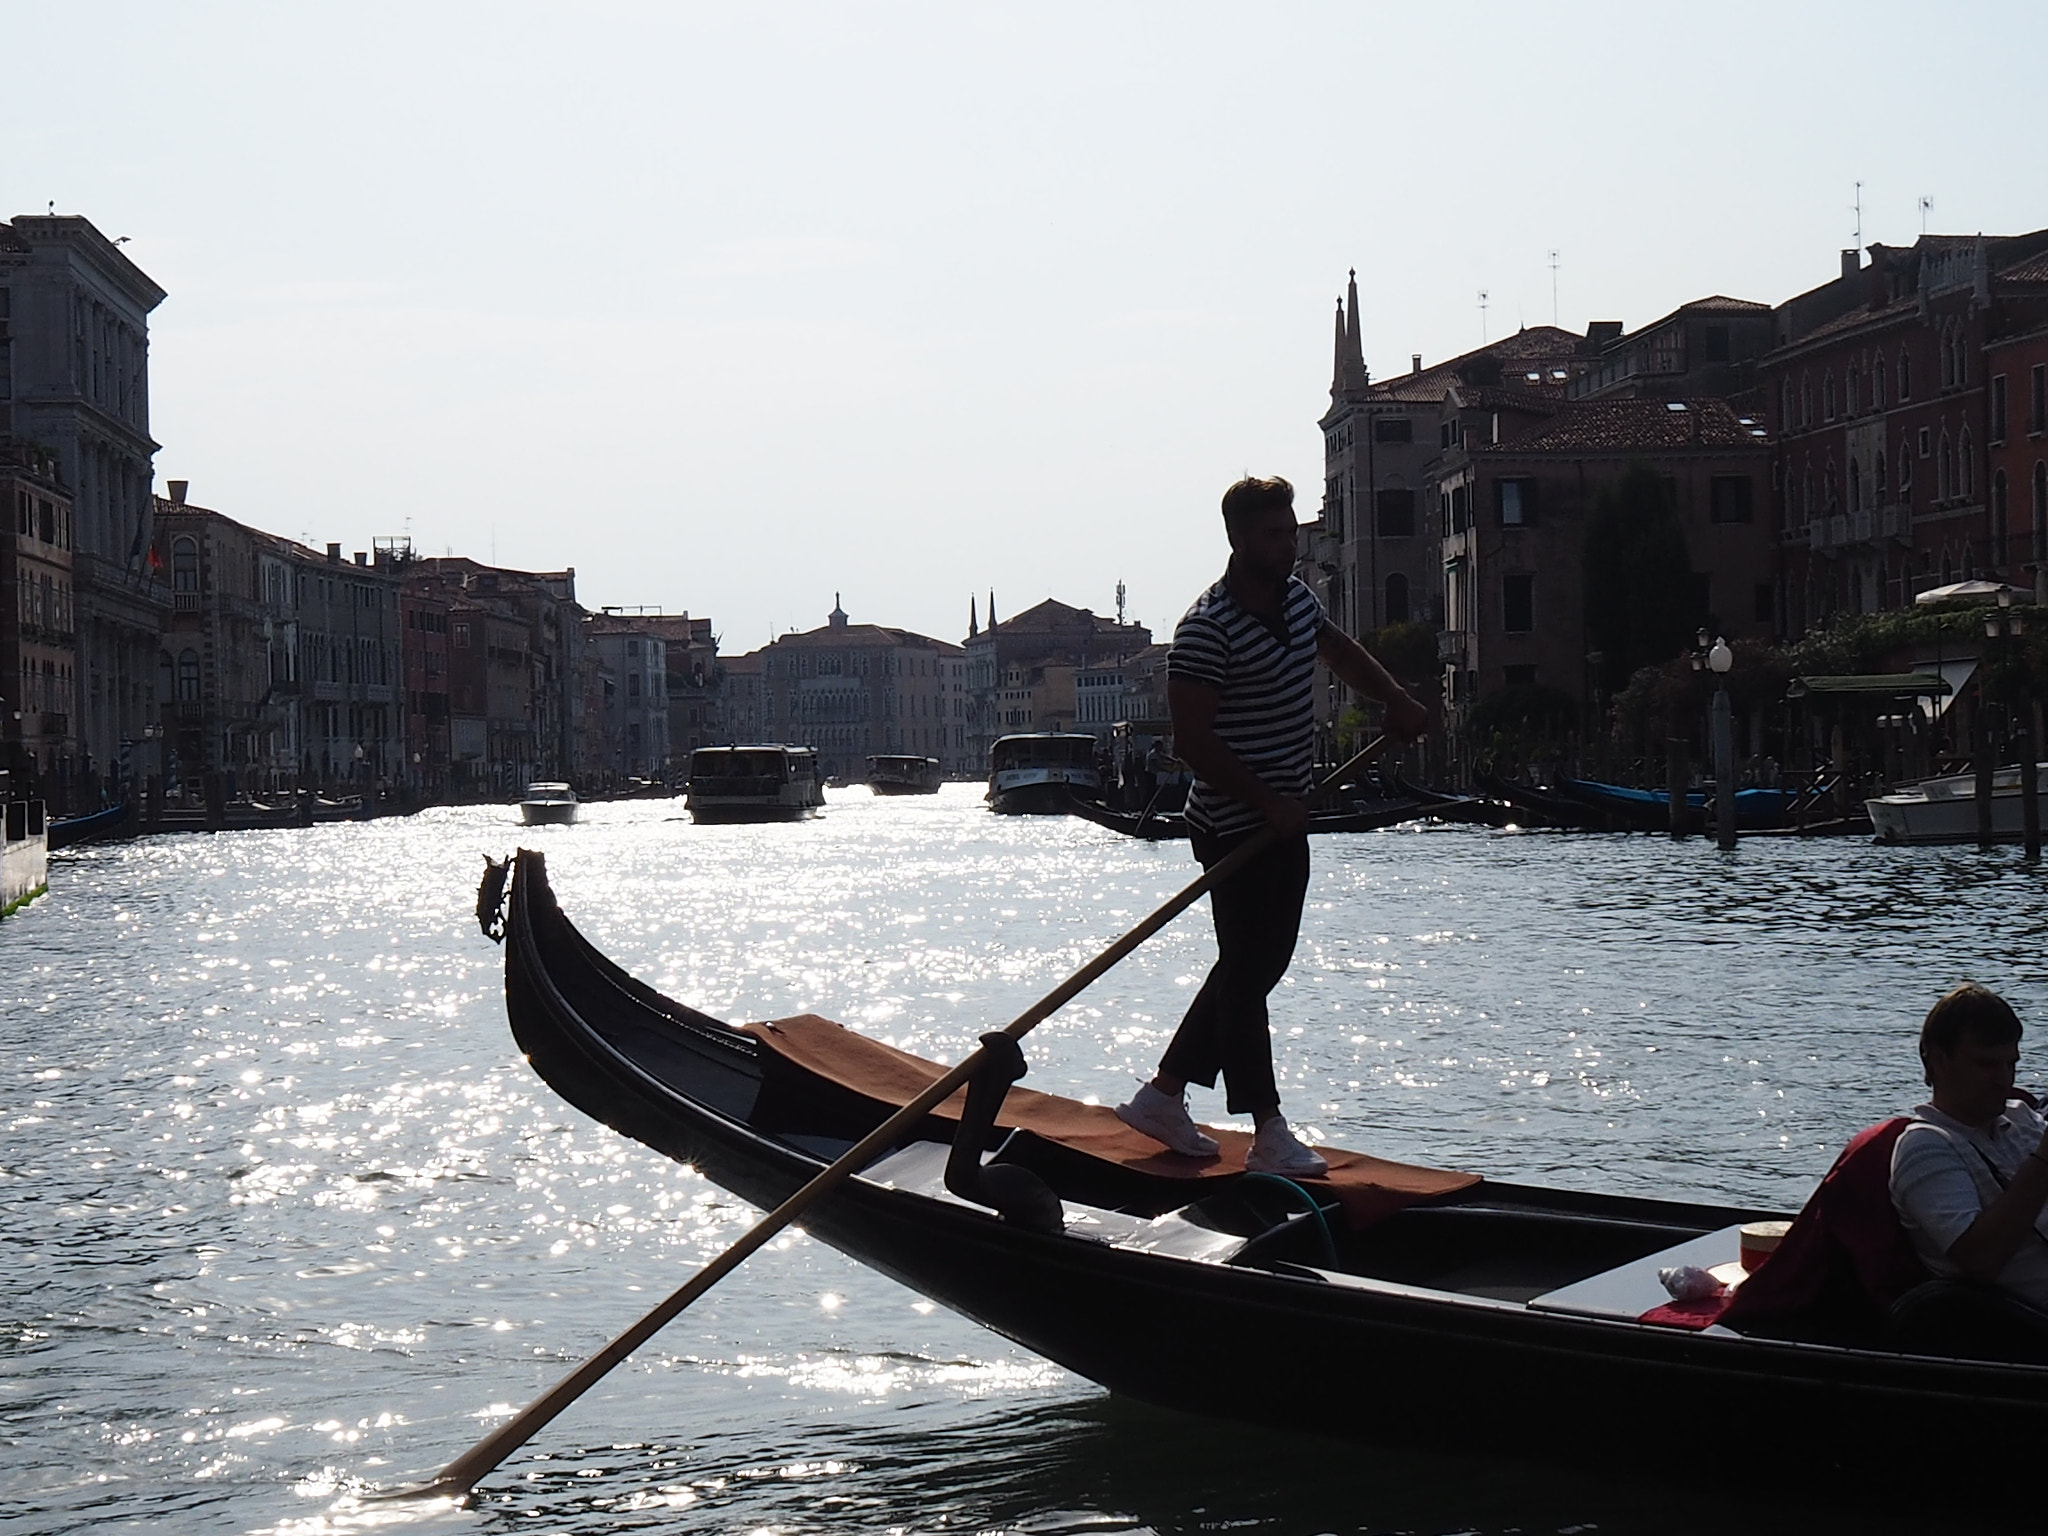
x=1933 y=1189
x=1994 y=1237
x=1194 y=707
x=1359 y=670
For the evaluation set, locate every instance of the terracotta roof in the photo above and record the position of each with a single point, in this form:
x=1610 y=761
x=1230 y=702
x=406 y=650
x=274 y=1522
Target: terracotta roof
x=862 y=634
x=1620 y=426
x=2033 y=270
x=1534 y=344
x=1860 y=318
x=1720 y=303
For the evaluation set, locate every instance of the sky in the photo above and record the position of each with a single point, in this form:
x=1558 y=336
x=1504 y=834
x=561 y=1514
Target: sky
x=739 y=308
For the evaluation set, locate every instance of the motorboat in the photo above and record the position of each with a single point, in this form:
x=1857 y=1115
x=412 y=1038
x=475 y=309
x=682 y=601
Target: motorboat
x=893 y=774
x=1387 y=1302
x=548 y=804
x=1944 y=810
x=1041 y=773
x=754 y=783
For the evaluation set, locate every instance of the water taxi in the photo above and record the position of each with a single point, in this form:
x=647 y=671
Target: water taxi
x=754 y=783
x=548 y=804
x=1042 y=773
x=896 y=775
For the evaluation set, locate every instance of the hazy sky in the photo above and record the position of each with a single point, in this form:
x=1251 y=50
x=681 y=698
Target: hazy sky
x=732 y=307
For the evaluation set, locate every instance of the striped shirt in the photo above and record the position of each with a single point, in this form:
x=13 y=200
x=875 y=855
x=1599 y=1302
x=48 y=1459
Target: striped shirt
x=1267 y=683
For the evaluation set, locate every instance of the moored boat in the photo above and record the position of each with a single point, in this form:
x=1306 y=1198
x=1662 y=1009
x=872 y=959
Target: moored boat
x=1649 y=810
x=753 y=783
x=1040 y=773
x=1944 y=810
x=68 y=831
x=548 y=804
x=895 y=774
x=1393 y=1302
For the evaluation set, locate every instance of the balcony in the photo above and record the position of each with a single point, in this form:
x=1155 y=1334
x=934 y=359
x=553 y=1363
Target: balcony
x=1450 y=647
x=185 y=602
x=1817 y=533
x=1838 y=530
x=1862 y=526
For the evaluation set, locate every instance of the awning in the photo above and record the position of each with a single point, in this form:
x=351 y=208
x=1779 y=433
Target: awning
x=1983 y=591
x=1887 y=685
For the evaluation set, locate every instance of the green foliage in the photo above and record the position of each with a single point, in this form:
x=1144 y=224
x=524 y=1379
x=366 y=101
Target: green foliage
x=1408 y=651
x=1641 y=598
x=1668 y=699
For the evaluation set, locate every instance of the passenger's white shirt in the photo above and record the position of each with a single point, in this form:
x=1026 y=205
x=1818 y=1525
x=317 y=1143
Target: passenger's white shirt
x=1943 y=1177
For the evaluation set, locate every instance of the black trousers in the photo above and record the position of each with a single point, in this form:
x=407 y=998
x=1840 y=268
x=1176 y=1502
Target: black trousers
x=1258 y=917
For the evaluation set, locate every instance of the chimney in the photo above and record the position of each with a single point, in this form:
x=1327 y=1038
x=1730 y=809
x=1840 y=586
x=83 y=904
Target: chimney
x=362 y=557
x=177 y=488
x=334 y=554
x=1852 y=263
x=1415 y=363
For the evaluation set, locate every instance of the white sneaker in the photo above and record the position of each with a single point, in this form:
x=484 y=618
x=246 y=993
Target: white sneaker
x=1166 y=1120
x=1275 y=1150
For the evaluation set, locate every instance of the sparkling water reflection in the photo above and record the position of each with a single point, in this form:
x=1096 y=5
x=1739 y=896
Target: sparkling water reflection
x=287 y=1219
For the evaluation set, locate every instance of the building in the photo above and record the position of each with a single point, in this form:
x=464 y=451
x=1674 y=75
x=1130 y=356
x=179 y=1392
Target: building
x=74 y=382
x=1890 y=390
x=743 y=697
x=426 y=607
x=38 y=630
x=636 y=708
x=694 y=689
x=853 y=690
x=1035 y=671
x=1517 y=489
x=2017 y=366
x=1707 y=349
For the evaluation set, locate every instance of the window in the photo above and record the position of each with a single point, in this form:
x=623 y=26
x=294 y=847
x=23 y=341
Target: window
x=1925 y=439
x=1516 y=500
x=1997 y=427
x=1877 y=385
x=1827 y=395
x=1998 y=526
x=632 y=685
x=1518 y=604
x=461 y=636
x=1855 y=486
x=1945 y=471
x=1460 y=505
x=1877 y=480
x=1905 y=375
x=188 y=677
x=1966 y=479
x=1785 y=405
x=1394 y=513
x=1393 y=429
x=1714 y=344
x=2040 y=510
x=185 y=564
x=1853 y=390
x=1729 y=498
x=1397 y=599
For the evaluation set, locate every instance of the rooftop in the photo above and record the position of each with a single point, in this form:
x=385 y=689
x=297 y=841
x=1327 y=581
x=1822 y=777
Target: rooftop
x=1625 y=426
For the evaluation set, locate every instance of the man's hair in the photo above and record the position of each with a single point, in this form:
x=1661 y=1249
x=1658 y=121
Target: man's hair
x=1971 y=1010
x=1252 y=496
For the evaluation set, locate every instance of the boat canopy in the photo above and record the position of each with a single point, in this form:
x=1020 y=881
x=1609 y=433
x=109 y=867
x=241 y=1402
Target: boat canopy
x=747 y=762
x=1043 y=750
x=1890 y=685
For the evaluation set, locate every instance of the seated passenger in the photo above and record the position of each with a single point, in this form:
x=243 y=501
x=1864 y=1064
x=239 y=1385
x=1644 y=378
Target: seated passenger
x=1970 y=1170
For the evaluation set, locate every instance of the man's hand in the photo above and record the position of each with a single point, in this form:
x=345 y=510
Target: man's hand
x=1407 y=717
x=1286 y=815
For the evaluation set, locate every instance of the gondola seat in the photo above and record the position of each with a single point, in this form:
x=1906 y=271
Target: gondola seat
x=1967 y=1320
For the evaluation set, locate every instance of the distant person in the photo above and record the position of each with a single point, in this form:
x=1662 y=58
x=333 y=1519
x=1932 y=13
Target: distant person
x=1970 y=1171
x=1240 y=685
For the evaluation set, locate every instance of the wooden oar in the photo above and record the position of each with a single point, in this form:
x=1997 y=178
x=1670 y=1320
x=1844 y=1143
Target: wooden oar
x=463 y=1473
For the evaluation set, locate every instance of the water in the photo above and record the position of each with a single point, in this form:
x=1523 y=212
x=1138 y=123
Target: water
x=284 y=1218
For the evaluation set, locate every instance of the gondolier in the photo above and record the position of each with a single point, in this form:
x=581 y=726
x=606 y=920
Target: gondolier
x=1241 y=690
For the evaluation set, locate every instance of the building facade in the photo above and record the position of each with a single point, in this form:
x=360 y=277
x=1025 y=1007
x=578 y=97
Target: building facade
x=38 y=628
x=636 y=707
x=74 y=382
x=1035 y=671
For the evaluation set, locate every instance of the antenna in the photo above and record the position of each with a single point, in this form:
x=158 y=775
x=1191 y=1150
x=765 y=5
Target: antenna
x=1119 y=604
x=1553 y=288
x=1859 y=221
x=1926 y=203
x=1482 y=317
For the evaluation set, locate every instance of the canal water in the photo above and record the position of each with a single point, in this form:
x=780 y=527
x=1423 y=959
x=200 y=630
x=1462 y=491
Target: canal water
x=284 y=1218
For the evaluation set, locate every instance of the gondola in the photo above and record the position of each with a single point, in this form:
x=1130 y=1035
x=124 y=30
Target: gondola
x=1164 y=826
x=1649 y=810
x=69 y=831
x=1394 y=1303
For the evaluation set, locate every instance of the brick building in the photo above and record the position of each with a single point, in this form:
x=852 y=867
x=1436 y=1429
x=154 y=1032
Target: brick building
x=1890 y=391
x=38 y=632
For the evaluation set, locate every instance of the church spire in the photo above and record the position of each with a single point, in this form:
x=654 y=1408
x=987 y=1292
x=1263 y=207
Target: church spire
x=1337 y=354
x=973 y=627
x=991 y=607
x=1354 y=347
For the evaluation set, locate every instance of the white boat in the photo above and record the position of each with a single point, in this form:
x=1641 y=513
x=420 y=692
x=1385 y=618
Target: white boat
x=548 y=803
x=1944 y=810
x=24 y=854
x=754 y=783
x=897 y=775
x=1042 y=773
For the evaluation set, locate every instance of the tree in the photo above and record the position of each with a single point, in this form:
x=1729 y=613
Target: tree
x=1642 y=602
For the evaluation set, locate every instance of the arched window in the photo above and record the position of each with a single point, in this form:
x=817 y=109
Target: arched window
x=2040 y=510
x=1827 y=395
x=1806 y=494
x=1905 y=374
x=184 y=563
x=1805 y=400
x=1785 y=421
x=1948 y=357
x=1945 y=470
x=188 y=677
x=1966 y=474
x=1828 y=488
x=1397 y=598
x=1877 y=385
x=1852 y=391
x=1998 y=526
x=1906 y=474
x=1877 y=480
x=1855 y=486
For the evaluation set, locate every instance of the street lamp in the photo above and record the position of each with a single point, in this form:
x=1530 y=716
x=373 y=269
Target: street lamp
x=1719 y=660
